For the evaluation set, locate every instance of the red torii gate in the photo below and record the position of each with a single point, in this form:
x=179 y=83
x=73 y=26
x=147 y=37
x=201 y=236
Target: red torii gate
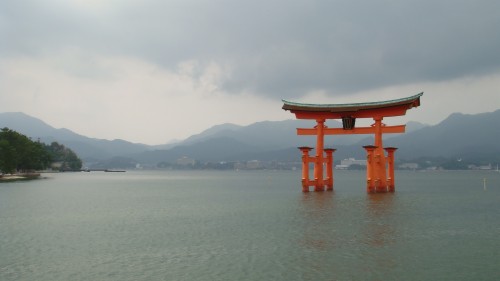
x=377 y=178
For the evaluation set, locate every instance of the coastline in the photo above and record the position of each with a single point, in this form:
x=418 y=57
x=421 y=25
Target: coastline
x=19 y=176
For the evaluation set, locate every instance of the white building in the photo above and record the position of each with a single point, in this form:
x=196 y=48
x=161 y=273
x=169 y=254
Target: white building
x=185 y=161
x=253 y=164
x=351 y=161
x=346 y=163
x=409 y=166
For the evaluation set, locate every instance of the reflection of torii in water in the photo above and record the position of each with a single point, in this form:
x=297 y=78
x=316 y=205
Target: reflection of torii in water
x=378 y=180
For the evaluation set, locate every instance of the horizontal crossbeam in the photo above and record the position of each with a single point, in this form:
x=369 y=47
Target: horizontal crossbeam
x=356 y=131
x=313 y=159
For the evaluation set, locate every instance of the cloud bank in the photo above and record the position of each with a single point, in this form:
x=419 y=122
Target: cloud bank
x=150 y=71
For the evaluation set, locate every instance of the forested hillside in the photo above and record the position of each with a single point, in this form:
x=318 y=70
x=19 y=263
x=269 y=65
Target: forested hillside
x=18 y=153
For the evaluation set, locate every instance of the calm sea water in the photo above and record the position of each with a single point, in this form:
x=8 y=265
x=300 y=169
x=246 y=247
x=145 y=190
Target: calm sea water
x=244 y=225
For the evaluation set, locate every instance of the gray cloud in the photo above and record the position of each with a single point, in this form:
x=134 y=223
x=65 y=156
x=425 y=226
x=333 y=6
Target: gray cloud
x=275 y=48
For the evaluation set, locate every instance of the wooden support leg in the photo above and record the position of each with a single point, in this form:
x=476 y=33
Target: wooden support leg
x=390 y=160
x=329 y=168
x=305 y=167
x=370 y=180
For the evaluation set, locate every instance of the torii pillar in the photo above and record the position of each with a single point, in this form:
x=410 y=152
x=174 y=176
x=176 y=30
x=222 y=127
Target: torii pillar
x=390 y=162
x=370 y=174
x=380 y=168
x=329 y=168
x=318 y=164
x=305 y=167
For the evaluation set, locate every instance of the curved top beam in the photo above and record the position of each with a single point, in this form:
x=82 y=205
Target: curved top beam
x=408 y=102
x=413 y=100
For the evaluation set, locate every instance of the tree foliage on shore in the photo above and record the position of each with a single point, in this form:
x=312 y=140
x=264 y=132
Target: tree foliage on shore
x=19 y=153
x=65 y=157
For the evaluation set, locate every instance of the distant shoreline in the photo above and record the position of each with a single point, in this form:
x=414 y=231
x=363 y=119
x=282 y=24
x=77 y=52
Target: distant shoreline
x=19 y=176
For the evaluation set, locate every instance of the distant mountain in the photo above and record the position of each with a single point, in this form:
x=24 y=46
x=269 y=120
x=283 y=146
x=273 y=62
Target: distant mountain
x=88 y=149
x=216 y=131
x=414 y=126
x=460 y=135
x=33 y=127
x=209 y=150
x=212 y=132
x=267 y=134
x=272 y=140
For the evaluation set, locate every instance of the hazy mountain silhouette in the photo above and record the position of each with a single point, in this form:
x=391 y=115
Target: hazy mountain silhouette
x=207 y=150
x=87 y=148
x=267 y=134
x=459 y=135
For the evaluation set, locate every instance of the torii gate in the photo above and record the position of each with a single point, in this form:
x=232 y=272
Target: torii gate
x=380 y=168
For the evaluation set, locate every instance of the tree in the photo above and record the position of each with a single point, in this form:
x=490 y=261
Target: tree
x=19 y=153
x=65 y=156
x=7 y=156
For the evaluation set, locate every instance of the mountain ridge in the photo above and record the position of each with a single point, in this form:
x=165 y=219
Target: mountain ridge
x=89 y=148
x=459 y=135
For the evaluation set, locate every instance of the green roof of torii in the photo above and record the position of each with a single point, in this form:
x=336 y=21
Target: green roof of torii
x=412 y=101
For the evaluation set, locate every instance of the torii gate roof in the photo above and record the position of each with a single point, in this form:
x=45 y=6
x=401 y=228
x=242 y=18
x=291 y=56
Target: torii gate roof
x=396 y=107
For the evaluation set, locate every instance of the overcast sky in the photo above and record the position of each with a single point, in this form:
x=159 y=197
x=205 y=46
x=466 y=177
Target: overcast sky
x=151 y=71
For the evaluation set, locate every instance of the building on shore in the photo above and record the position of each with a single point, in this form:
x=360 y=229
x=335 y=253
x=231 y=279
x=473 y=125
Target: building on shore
x=409 y=166
x=253 y=164
x=185 y=161
x=346 y=163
